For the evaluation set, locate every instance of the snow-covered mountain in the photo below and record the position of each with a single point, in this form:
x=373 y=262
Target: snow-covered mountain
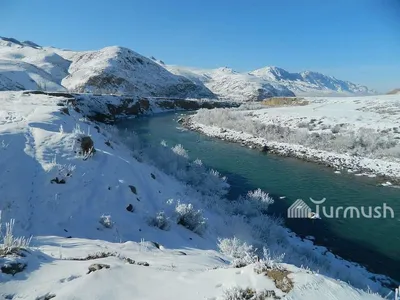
x=26 y=65
x=269 y=81
x=229 y=84
x=395 y=91
x=310 y=83
x=121 y=70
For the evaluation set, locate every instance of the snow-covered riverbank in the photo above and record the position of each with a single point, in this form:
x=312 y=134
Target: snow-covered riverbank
x=360 y=135
x=88 y=199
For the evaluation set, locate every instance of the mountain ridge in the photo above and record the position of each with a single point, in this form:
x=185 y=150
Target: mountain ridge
x=119 y=70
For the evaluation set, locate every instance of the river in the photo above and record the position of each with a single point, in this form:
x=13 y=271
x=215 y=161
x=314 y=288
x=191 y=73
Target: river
x=374 y=243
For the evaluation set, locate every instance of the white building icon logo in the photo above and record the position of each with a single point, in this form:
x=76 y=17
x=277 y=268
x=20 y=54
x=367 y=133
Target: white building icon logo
x=299 y=210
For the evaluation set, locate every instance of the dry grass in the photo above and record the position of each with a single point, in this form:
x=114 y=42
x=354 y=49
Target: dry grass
x=281 y=279
x=284 y=101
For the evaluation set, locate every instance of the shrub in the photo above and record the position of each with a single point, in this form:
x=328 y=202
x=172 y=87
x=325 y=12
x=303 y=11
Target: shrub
x=190 y=218
x=106 y=221
x=238 y=293
x=160 y=221
x=241 y=253
x=255 y=203
x=9 y=243
x=261 y=199
x=269 y=261
x=179 y=150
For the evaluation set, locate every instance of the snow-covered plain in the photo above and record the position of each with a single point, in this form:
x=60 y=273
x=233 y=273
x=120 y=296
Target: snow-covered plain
x=117 y=202
x=361 y=134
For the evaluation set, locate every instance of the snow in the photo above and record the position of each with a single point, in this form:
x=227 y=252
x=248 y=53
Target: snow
x=197 y=275
x=372 y=121
x=39 y=143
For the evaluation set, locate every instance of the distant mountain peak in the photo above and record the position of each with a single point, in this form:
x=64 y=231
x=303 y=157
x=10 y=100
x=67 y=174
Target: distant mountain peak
x=10 y=41
x=310 y=82
x=226 y=70
x=393 y=92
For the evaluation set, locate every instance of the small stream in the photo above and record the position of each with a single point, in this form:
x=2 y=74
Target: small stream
x=372 y=242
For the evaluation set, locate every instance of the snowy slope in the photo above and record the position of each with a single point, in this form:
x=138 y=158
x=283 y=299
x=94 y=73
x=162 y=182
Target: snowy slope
x=40 y=140
x=25 y=65
x=199 y=274
x=231 y=85
x=310 y=83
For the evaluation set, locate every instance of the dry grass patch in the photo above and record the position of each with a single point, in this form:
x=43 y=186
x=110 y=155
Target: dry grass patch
x=284 y=101
x=281 y=279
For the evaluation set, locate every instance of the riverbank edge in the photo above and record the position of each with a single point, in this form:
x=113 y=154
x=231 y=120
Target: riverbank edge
x=388 y=173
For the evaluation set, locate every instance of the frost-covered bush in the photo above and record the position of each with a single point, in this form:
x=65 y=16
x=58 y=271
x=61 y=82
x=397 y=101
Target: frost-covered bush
x=250 y=106
x=269 y=261
x=238 y=293
x=179 y=150
x=190 y=218
x=241 y=253
x=8 y=242
x=106 y=221
x=175 y=161
x=160 y=221
x=261 y=200
x=253 y=204
x=3 y=145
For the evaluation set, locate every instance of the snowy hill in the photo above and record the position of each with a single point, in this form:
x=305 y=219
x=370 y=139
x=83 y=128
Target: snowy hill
x=310 y=83
x=25 y=65
x=120 y=70
x=395 y=91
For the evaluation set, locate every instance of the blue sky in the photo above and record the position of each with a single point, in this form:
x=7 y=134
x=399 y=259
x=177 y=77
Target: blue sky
x=356 y=40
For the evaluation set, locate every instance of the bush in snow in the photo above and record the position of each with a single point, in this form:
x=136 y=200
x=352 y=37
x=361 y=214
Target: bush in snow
x=160 y=221
x=10 y=243
x=106 y=221
x=241 y=253
x=238 y=293
x=175 y=161
x=253 y=204
x=190 y=218
x=261 y=199
x=269 y=261
x=179 y=150
x=3 y=145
